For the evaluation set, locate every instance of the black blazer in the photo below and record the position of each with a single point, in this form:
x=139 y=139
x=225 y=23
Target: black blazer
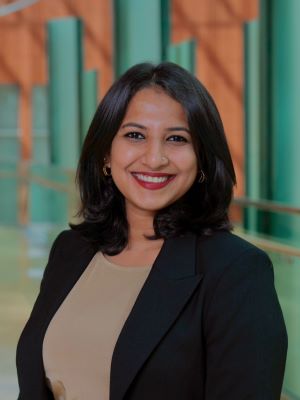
x=206 y=325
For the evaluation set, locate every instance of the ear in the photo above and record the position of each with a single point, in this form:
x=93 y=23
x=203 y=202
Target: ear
x=107 y=161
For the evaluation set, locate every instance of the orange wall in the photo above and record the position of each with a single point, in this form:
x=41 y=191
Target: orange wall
x=217 y=26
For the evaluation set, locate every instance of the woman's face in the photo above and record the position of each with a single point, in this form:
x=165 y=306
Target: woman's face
x=152 y=158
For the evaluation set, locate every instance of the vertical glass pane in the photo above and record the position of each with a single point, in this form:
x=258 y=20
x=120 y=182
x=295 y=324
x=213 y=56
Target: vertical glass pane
x=40 y=125
x=9 y=123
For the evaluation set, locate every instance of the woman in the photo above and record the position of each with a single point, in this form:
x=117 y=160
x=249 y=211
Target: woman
x=151 y=296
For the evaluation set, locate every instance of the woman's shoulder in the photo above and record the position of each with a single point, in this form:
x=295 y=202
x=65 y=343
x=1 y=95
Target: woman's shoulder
x=224 y=250
x=67 y=236
x=69 y=252
x=69 y=243
x=233 y=271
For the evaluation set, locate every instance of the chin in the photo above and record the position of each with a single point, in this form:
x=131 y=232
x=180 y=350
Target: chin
x=156 y=207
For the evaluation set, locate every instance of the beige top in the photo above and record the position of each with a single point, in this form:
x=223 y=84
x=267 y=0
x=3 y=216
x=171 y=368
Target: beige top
x=80 y=339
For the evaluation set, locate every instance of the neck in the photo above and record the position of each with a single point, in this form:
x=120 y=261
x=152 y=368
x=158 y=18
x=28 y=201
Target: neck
x=140 y=226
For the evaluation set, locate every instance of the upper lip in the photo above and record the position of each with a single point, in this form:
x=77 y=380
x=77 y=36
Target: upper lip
x=154 y=174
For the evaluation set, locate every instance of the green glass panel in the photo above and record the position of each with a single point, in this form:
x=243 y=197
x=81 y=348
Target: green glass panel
x=252 y=120
x=8 y=195
x=138 y=32
x=9 y=104
x=40 y=110
x=40 y=125
x=166 y=27
x=9 y=123
x=89 y=99
x=65 y=81
x=285 y=53
x=9 y=149
x=183 y=54
x=48 y=204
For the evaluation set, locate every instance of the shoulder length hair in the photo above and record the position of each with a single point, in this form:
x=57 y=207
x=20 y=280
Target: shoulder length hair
x=202 y=210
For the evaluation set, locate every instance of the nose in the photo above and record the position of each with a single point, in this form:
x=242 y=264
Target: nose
x=154 y=156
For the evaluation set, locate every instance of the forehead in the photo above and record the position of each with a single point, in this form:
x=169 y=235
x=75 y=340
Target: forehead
x=153 y=102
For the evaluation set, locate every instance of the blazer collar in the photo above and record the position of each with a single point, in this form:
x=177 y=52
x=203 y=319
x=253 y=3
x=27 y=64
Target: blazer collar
x=170 y=284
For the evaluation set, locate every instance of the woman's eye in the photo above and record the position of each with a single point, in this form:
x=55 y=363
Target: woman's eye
x=134 y=135
x=177 y=138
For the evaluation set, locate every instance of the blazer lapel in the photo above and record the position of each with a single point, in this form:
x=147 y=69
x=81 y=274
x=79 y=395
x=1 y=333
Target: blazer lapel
x=169 y=286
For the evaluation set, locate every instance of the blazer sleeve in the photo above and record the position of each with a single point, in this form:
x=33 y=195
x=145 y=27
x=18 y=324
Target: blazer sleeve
x=246 y=339
x=28 y=356
x=55 y=246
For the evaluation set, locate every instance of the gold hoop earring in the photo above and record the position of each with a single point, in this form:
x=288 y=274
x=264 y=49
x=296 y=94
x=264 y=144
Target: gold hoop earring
x=202 y=177
x=106 y=170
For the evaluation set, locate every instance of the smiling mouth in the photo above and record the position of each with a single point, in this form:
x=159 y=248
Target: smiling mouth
x=153 y=180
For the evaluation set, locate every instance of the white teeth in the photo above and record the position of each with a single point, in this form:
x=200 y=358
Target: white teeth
x=154 y=179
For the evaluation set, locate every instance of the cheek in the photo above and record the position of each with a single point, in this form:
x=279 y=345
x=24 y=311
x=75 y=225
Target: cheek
x=188 y=162
x=121 y=155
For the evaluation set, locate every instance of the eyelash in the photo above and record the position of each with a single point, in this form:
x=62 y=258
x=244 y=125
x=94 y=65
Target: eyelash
x=181 y=138
x=137 y=136
x=134 y=135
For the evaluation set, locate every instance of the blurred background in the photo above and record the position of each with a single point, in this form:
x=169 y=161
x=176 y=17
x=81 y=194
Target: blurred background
x=58 y=58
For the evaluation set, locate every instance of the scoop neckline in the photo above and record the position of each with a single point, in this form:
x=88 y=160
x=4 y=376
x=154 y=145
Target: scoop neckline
x=122 y=267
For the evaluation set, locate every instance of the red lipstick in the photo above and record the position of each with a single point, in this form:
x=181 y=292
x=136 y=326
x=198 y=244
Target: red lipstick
x=152 y=180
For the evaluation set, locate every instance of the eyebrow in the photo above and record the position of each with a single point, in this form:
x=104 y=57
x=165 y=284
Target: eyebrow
x=178 y=128
x=171 y=129
x=133 y=124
